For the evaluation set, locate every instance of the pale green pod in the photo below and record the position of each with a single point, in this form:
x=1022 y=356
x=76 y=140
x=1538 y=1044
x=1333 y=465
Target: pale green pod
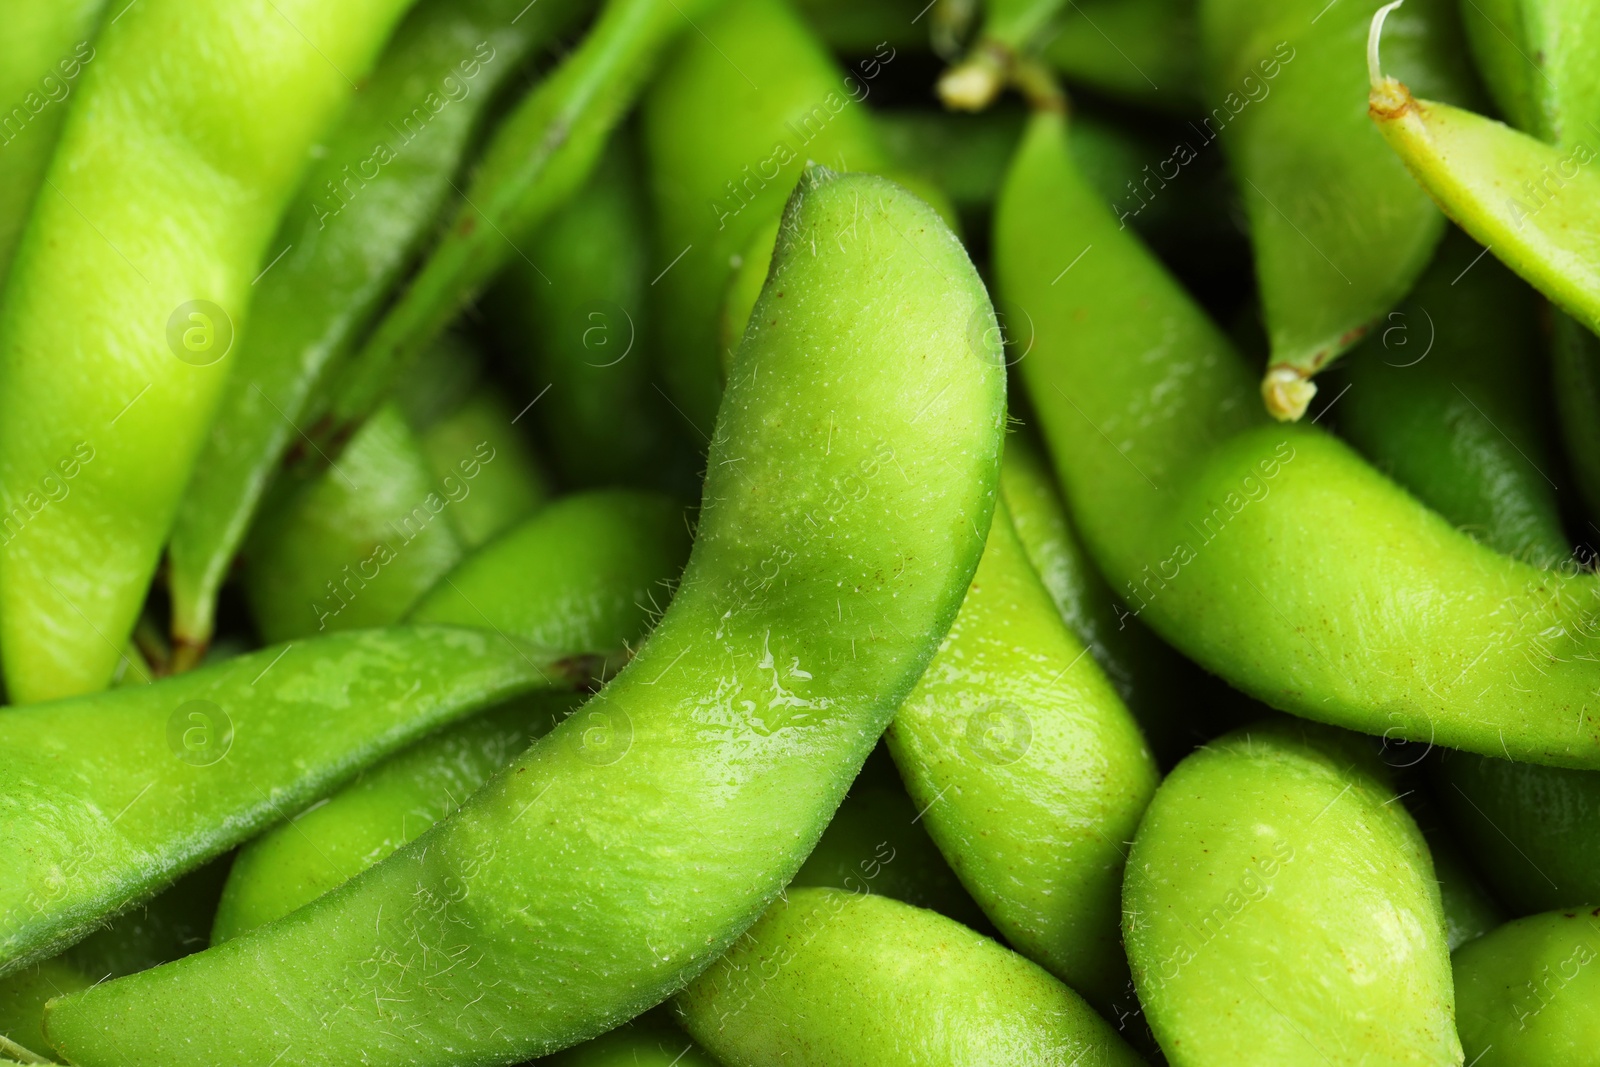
x=1526 y=993
x=1030 y=770
x=834 y=979
x=1280 y=909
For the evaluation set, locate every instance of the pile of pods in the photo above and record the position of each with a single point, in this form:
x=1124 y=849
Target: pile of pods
x=800 y=533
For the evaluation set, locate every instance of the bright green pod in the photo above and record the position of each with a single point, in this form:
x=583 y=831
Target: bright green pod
x=642 y=1043
x=1280 y=908
x=23 y=995
x=1272 y=555
x=486 y=469
x=1537 y=60
x=394 y=802
x=578 y=325
x=1534 y=832
x=877 y=842
x=46 y=49
x=965 y=156
x=353 y=227
x=172 y=925
x=1470 y=910
x=1156 y=684
x=724 y=143
x=105 y=799
x=1030 y=771
x=1525 y=993
x=1534 y=204
x=833 y=979
x=854 y=464
x=1143 y=51
x=193 y=126
x=1449 y=401
x=1340 y=230
x=585 y=576
x=541 y=154
x=358 y=543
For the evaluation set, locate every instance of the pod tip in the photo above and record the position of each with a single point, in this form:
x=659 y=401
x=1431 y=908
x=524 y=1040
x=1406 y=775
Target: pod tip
x=1287 y=393
x=972 y=84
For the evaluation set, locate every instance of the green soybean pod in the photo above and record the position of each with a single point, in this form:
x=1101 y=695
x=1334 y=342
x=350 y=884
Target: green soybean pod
x=23 y=995
x=352 y=228
x=1340 y=231
x=723 y=151
x=850 y=480
x=1535 y=59
x=1547 y=231
x=830 y=979
x=1530 y=830
x=331 y=842
x=482 y=465
x=1448 y=400
x=877 y=842
x=47 y=47
x=104 y=799
x=1030 y=770
x=578 y=325
x=1145 y=52
x=585 y=576
x=539 y=156
x=355 y=545
x=1525 y=993
x=1269 y=553
x=170 y=926
x=1156 y=684
x=1280 y=908
x=194 y=124
x=645 y=1042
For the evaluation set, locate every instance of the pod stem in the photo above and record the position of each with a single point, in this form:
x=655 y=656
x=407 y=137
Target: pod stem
x=1038 y=85
x=1388 y=95
x=973 y=84
x=11 y=1052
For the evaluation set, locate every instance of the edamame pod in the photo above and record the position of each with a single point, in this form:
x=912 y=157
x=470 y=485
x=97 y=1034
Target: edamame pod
x=1029 y=770
x=854 y=466
x=1536 y=58
x=578 y=325
x=1156 y=684
x=1531 y=830
x=357 y=544
x=538 y=158
x=1142 y=51
x=723 y=151
x=325 y=846
x=1280 y=909
x=1340 y=232
x=1448 y=402
x=1272 y=555
x=193 y=126
x=588 y=574
x=1525 y=993
x=352 y=227
x=878 y=843
x=104 y=799
x=1536 y=205
x=173 y=924
x=642 y=1043
x=832 y=979
x=487 y=471
x=47 y=47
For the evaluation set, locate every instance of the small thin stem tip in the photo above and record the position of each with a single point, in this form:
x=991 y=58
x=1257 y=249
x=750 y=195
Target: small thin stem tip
x=1374 y=34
